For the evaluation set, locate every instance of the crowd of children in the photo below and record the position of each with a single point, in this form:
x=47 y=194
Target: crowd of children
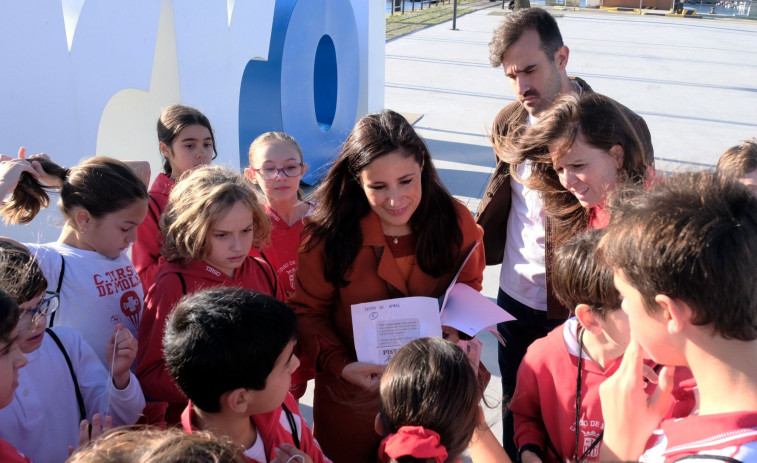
x=656 y=363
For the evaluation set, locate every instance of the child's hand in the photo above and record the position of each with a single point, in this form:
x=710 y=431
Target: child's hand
x=289 y=454
x=12 y=168
x=625 y=405
x=122 y=356
x=365 y=375
x=87 y=434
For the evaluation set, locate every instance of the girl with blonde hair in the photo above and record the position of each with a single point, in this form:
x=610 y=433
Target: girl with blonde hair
x=212 y=220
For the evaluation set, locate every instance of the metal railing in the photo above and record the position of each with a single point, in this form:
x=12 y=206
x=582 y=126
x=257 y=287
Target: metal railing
x=399 y=6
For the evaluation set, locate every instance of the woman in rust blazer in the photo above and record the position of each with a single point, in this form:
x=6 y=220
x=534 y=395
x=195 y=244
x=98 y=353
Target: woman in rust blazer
x=385 y=227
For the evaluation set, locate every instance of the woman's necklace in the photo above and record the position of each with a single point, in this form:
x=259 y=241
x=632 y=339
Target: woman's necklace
x=396 y=239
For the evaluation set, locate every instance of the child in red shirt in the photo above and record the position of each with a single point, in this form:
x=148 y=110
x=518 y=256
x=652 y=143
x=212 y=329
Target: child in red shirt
x=231 y=351
x=186 y=141
x=683 y=257
x=277 y=167
x=212 y=221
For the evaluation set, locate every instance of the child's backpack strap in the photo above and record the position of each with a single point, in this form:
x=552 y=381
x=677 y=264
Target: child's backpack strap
x=155 y=216
x=60 y=283
x=274 y=285
x=183 y=283
x=293 y=425
x=79 y=398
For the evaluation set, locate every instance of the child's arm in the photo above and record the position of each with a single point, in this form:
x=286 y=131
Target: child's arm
x=630 y=414
x=151 y=369
x=141 y=169
x=526 y=407
x=120 y=353
x=484 y=447
x=145 y=251
x=124 y=406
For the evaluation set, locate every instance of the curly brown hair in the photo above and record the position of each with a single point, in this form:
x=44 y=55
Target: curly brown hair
x=198 y=202
x=603 y=124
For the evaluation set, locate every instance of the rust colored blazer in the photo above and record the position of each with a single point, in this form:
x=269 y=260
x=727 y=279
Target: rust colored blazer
x=343 y=413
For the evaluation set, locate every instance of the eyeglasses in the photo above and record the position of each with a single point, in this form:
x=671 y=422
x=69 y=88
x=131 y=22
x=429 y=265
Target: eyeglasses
x=270 y=173
x=46 y=306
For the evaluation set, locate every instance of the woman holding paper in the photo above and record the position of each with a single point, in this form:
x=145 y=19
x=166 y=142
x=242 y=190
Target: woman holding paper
x=385 y=227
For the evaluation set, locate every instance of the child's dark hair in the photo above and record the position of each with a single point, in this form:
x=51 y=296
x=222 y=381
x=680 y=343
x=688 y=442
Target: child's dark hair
x=739 y=160
x=100 y=185
x=430 y=383
x=692 y=237
x=578 y=277
x=9 y=314
x=173 y=120
x=222 y=339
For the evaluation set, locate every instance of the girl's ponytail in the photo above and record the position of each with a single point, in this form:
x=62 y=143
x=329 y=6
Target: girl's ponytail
x=30 y=195
x=100 y=185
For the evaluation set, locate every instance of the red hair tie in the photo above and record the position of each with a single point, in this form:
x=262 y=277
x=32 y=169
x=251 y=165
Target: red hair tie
x=412 y=441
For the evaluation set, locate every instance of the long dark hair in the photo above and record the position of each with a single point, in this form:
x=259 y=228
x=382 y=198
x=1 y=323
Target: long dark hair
x=603 y=123
x=173 y=120
x=430 y=383
x=342 y=201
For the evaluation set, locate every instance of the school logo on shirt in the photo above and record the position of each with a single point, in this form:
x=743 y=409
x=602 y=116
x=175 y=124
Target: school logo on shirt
x=131 y=306
x=116 y=281
x=210 y=269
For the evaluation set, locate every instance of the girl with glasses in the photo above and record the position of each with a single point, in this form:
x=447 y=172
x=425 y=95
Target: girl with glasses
x=64 y=381
x=11 y=361
x=277 y=167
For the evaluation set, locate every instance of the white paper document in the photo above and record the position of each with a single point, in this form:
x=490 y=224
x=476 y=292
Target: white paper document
x=469 y=311
x=380 y=328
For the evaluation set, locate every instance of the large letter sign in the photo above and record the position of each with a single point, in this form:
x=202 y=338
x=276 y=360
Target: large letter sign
x=86 y=77
x=309 y=86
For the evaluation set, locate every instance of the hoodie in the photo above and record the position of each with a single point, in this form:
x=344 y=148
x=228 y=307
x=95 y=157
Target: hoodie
x=146 y=249
x=165 y=292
